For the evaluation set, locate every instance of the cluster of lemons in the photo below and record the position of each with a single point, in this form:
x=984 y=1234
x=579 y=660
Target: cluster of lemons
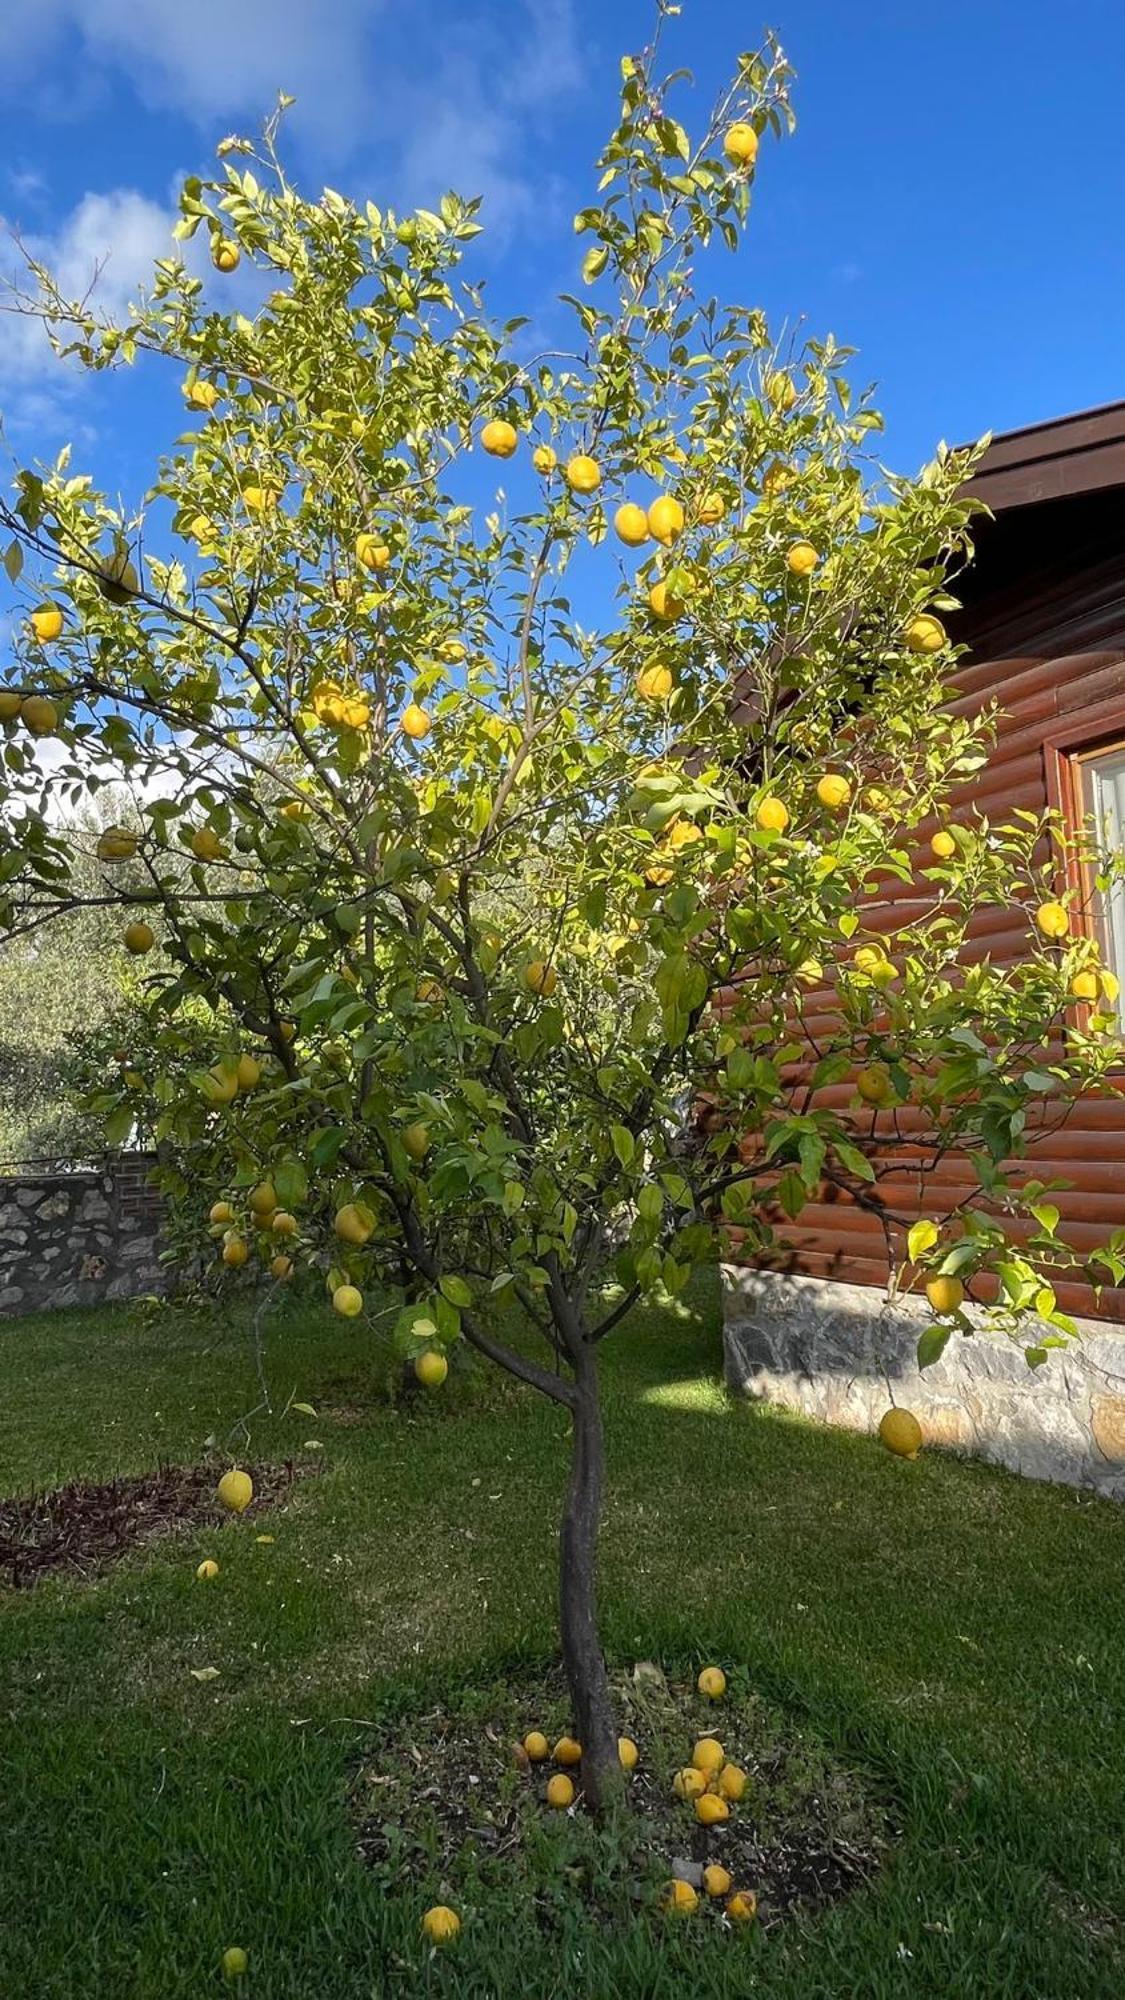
x=711 y=1785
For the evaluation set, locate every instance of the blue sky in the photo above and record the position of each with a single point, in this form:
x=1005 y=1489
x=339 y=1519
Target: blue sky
x=951 y=204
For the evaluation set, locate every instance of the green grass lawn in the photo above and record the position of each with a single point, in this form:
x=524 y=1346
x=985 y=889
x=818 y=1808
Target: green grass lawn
x=957 y=1633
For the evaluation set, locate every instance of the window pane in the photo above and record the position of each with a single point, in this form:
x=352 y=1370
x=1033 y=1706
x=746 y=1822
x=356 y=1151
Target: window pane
x=1105 y=799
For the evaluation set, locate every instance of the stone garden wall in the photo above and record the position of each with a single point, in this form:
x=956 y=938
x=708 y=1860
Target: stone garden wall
x=77 y=1237
x=841 y=1353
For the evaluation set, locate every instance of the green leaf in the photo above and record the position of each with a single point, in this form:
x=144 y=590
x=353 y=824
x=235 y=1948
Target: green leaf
x=456 y=1291
x=594 y=263
x=291 y=1182
x=1046 y=1215
x=623 y=1143
x=932 y=1344
x=856 y=1162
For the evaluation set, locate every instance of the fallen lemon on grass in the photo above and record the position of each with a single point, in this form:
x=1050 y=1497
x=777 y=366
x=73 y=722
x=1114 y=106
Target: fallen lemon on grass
x=441 y=1924
x=235 y=1490
x=679 y=1899
x=207 y=1570
x=716 y=1880
x=568 y=1751
x=628 y=1753
x=560 y=1792
x=431 y=1370
x=689 y=1783
x=235 y=1961
x=901 y=1432
x=945 y=1294
x=742 y=1907
x=1053 y=919
x=710 y=1809
x=499 y=438
x=536 y=1746
x=731 y=1782
x=708 y=1756
x=712 y=1682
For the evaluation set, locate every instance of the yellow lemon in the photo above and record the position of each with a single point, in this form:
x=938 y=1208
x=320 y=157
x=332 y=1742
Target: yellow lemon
x=139 y=938
x=205 y=844
x=372 y=551
x=716 y=1880
x=249 y=1072
x=654 y=683
x=263 y=1198
x=427 y=990
x=235 y=1490
x=202 y=395
x=116 y=844
x=583 y=474
x=221 y=1211
x=781 y=390
x=260 y=499
x=708 y=1756
x=499 y=438
x=740 y=144
x=945 y=1294
x=802 y=559
x=943 y=846
x=731 y=1782
x=416 y=1139
x=712 y=1682
x=689 y=1783
x=431 y=1369
x=536 y=1746
x=282 y=1223
x=679 y=1899
x=235 y=1252
x=901 y=1432
x=225 y=255
x=627 y=1753
x=630 y=524
x=775 y=479
x=772 y=816
x=354 y=1223
x=47 y=623
x=924 y=634
x=415 y=722
x=742 y=1907
x=207 y=1570
x=710 y=1809
x=234 y=1961
x=541 y=977
x=441 y=1924
x=560 y=1791
x=662 y=604
x=1084 y=986
x=712 y=507
x=833 y=791
x=281 y=1267
x=39 y=715
x=220 y=1085
x=544 y=458
x=665 y=520
x=347 y=1300
x=874 y=1084
x=568 y=1751
x=10 y=705
x=1052 y=919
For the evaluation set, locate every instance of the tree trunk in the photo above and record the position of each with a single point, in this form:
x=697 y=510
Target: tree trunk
x=595 y=1726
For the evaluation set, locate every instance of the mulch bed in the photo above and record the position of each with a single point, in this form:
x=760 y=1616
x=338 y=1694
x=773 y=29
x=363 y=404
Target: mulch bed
x=81 y=1528
x=450 y=1800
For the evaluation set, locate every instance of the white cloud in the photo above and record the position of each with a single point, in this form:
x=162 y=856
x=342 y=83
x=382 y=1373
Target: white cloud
x=103 y=250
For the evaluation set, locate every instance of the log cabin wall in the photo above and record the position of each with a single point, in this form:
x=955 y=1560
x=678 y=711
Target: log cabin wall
x=1044 y=617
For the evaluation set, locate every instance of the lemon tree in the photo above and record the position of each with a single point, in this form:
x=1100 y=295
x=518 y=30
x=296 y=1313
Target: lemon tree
x=517 y=743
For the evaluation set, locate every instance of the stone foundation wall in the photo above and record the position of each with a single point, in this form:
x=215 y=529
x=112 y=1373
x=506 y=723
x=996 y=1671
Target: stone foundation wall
x=81 y=1237
x=843 y=1354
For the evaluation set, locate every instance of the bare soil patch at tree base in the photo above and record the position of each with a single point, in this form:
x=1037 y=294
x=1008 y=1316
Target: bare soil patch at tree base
x=449 y=1803
x=81 y=1528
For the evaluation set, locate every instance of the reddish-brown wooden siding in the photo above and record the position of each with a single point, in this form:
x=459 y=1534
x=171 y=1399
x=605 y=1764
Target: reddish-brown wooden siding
x=1045 y=618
